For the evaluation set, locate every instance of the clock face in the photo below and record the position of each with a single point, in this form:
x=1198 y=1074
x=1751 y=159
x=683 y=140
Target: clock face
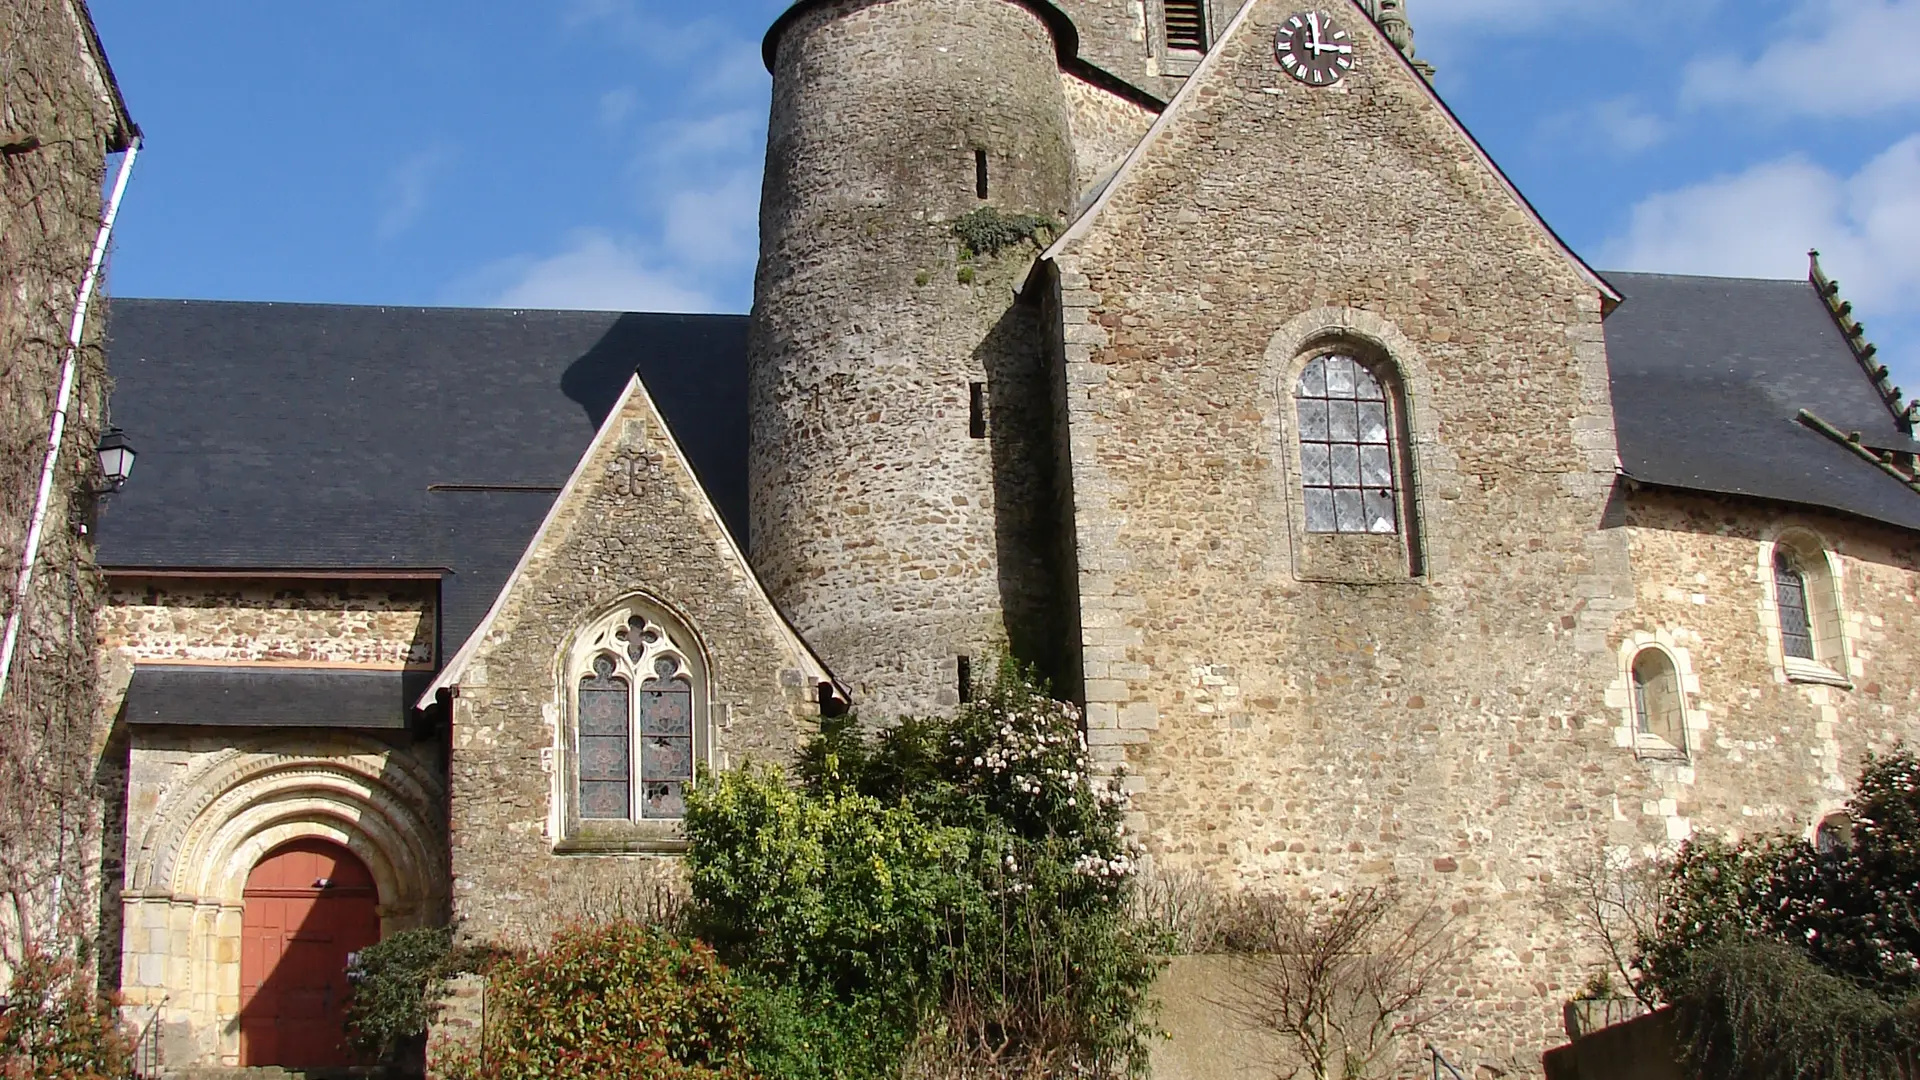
x=1313 y=48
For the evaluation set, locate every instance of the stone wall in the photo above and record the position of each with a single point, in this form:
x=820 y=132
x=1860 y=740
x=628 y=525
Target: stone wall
x=374 y=625
x=1301 y=711
x=1106 y=127
x=889 y=533
x=633 y=524
x=1773 y=751
x=57 y=119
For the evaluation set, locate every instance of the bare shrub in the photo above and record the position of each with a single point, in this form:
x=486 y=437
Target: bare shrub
x=1617 y=902
x=650 y=892
x=1343 y=986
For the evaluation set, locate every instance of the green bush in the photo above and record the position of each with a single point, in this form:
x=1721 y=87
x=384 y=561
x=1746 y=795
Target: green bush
x=394 y=986
x=1784 y=961
x=953 y=887
x=990 y=230
x=624 y=1001
x=54 y=1027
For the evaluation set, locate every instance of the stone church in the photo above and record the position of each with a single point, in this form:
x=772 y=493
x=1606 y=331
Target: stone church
x=1191 y=350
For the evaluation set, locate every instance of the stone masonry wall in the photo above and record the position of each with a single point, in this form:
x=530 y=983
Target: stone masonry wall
x=891 y=536
x=1106 y=128
x=57 y=119
x=636 y=523
x=296 y=623
x=1302 y=712
x=1770 y=754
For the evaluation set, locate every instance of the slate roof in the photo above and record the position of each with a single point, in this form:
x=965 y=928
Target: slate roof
x=272 y=697
x=1709 y=378
x=312 y=437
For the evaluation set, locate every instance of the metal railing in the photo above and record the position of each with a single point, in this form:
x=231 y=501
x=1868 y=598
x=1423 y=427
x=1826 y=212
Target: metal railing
x=146 y=1046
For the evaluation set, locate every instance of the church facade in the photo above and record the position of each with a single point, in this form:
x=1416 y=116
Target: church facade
x=1194 y=352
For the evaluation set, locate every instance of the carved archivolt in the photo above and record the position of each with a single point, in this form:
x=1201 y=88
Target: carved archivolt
x=235 y=806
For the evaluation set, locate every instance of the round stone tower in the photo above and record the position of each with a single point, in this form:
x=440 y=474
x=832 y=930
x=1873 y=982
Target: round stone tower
x=899 y=462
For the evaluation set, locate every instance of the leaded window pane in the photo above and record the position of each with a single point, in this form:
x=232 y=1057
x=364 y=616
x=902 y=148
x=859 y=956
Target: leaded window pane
x=1349 y=517
x=666 y=748
x=1347 y=458
x=1320 y=510
x=1790 y=596
x=605 y=759
x=1380 y=510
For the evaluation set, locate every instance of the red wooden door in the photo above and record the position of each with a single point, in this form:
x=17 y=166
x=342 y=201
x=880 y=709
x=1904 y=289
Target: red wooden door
x=308 y=905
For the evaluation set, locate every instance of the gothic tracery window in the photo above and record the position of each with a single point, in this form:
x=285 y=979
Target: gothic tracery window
x=636 y=720
x=1349 y=475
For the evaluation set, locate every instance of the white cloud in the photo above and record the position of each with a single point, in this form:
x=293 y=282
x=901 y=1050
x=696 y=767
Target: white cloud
x=1832 y=58
x=617 y=104
x=1529 y=16
x=1627 y=127
x=593 y=273
x=1761 y=222
x=404 y=196
x=717 y=226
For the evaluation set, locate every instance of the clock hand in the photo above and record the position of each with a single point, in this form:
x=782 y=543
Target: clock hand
x=1313 y=20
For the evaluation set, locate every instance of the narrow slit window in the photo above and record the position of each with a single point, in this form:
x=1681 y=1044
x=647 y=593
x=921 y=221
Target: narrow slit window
x=980 y=173
x=1186 y=25
x=963 y=670
x=1790 y=596
x=1349 y=468
x=977 y=410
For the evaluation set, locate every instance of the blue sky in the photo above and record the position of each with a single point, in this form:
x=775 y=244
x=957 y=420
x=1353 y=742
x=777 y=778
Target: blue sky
x=607 y=153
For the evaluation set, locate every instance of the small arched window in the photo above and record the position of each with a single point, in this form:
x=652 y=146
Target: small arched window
x=638 y=709
x=1349 y=460
x=1806 y=604
x=1659 y=705
x=1834 y=834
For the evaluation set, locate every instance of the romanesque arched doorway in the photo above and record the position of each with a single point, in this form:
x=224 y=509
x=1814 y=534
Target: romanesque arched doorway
x=308 y=904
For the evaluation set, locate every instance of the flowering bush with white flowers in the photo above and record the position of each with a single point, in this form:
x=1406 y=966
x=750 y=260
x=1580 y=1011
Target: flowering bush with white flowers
x=1017 y=943
x=1795 y=959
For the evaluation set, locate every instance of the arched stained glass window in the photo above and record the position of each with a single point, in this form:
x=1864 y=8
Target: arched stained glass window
x=1348 y=472
x=1790 y=597
x=636 y=751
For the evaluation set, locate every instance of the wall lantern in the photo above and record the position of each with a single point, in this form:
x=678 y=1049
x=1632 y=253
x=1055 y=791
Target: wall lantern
x=116 y=458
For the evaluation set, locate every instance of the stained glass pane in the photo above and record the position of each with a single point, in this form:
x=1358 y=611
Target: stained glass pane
x=1320 y=511
x=1365 y=386
x=665 y=800
x=1313 y=380
x=604 y=759
x=603 y=712
x=1347 y=513
x=1376 y=467
x=1339 y=377
x=1343 y=421
x=603 y=800
x=1380 y=511
x=1346 y=465
x=667 y=710
x=663 y=758
x=1373 y=423
x=1313 y=420
x=1313 y=465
